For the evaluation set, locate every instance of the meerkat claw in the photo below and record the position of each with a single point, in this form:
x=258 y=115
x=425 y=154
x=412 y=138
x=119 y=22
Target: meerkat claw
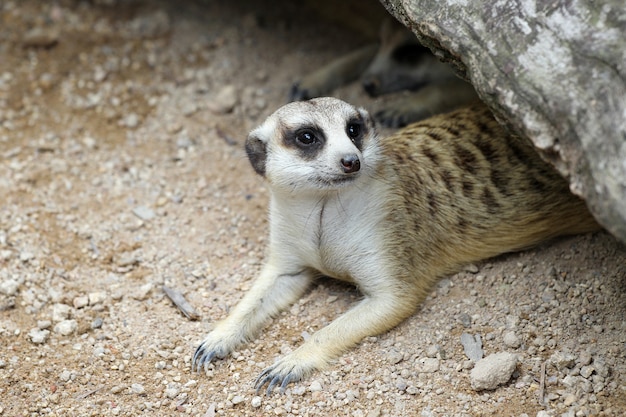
x=202 y=357
x=273 y=380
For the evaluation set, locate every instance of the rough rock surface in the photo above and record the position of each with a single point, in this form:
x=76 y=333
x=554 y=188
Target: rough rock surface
x=555 y=71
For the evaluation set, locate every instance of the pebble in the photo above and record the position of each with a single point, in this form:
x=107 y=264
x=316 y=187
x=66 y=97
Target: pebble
x=60 y=312
x=40 y=38
x=394 y=357
x=493 y=370
x=256 y=401
x=142 y=292
x=80 y=301
x=137 y=389
x=472 y=346
x=427 y=365
x=315 y=386
x=66 y=327
x=96 y=323
x=26 y=256
x=224 y=101
x=38 y=336
x=586 y=371
x=131 y=121
x=172 y=392
x=65 y=376
x=237 y=399
x=511 y=340
x=144 y=213
x=9 y=287
x=562 y=360
x=98 y=297
x=584 y=358
x=44 y=324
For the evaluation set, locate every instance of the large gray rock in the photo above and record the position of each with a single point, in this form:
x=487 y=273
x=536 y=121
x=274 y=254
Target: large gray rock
x=554 y=72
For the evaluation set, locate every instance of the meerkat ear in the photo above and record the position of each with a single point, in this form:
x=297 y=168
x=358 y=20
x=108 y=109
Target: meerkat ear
x=369 y=121
x=256 y=148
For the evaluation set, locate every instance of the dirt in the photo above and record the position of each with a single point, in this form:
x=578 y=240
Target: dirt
x=122 y=170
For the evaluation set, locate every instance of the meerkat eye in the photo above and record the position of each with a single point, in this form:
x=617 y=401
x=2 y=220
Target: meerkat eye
x=305 y=137
x=353 y=130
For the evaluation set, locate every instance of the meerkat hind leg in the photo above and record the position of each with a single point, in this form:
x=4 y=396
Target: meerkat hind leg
x=273 y=291
x=371 y=316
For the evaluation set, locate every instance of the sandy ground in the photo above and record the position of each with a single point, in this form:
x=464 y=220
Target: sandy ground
x=122 y=170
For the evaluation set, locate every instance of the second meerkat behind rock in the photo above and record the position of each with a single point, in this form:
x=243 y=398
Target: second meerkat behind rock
x=391 y=215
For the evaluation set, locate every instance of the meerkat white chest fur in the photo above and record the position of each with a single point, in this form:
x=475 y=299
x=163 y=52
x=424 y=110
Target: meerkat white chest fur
x=390 y=214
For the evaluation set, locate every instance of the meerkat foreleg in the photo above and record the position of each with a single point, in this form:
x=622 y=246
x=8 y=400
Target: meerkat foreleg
x=274 y=290
x=377 y=313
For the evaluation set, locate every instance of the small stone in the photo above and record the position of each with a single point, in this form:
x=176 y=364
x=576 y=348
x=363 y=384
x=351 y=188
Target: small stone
x=237 y=399
x=144 y=213
x=427 y=365
x=472 y=346
x=66 y=327
x=9 y=287
x=465 y=320
x=586 y=371
x=137 y=389
x=584 y=358
x=224 y=101
x=569 y=400
x=65 y=376
x=26 y=256
x=562 y=360
x=96 y=323
x=315 y=386
x=97 y=297
x=394 y=357
x=511 y=340
x=117 y=389
x=60 y=312
x=131 y=121
x=38 y=336
x=43 y=324
x=172 y=392
x=493 y=370
x=40 y=38
x=471 y=268
x=81 y=301
x=401 y=384
x=142 y=292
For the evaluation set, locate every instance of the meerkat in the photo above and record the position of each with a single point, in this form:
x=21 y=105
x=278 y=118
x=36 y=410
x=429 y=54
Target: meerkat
x=391 y=215
x=398 y=62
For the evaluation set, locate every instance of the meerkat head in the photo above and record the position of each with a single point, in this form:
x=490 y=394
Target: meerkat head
x=319 y=144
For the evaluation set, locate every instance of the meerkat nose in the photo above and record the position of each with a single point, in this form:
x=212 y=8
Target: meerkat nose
x=350 y=163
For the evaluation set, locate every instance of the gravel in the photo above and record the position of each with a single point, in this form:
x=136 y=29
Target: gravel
x=122 y=170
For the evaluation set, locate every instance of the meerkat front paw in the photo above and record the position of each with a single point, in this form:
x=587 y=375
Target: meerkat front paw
x=291 y=368
x=212 y=347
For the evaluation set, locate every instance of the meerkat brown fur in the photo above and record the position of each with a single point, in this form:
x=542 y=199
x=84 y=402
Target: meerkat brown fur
x=391 y=215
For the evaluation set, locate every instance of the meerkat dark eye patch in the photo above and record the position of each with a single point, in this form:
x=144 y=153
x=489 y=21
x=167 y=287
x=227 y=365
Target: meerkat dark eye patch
x=356 y=129
x=308 y=140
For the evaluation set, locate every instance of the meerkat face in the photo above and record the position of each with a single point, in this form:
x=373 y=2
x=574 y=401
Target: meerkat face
x=319 y=144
